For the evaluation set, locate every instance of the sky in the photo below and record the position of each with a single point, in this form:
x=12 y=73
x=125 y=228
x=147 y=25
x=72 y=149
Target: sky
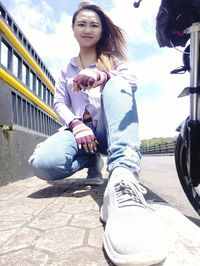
x=47 y=26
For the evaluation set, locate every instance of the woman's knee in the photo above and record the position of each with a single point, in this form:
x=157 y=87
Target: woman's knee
x=116 y=87
x=53 y=158
x=53 y=168
x=117 y=82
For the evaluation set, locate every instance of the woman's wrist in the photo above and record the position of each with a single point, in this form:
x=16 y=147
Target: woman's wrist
x=107 y=74
x=74 y=122
x=102 y=75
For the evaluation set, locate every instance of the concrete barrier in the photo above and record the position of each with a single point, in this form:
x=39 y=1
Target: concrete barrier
x=16 y=146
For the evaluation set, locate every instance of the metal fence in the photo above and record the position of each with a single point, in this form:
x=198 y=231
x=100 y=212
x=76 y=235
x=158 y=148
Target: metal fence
x=165 y=148
x=26 y=85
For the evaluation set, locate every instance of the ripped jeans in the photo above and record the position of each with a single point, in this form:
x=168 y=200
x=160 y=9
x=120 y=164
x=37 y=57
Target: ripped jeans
x=116 y=131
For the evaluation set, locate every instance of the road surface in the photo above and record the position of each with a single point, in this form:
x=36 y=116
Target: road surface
x=159 y=175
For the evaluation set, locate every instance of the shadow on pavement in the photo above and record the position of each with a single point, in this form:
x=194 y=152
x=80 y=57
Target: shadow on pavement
x=72 y=187
x=151 y=197
x=194 y=220
x=75 y=187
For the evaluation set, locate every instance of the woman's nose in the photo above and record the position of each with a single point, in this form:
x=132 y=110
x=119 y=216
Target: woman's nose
x=88 y=29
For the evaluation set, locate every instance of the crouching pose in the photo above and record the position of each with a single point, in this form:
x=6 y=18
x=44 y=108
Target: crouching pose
x=95 y=100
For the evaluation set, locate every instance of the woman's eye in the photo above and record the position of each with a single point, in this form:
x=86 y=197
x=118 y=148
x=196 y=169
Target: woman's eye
x=81 y=24
x=95 y=25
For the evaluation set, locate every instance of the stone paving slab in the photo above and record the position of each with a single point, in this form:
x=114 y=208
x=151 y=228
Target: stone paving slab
x=57 y=224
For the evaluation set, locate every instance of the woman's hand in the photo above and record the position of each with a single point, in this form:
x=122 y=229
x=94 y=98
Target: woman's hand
x=85 y=79
x=89 y=78
x=84 y=136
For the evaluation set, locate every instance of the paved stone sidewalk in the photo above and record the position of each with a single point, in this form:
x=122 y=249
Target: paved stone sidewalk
x=58 y=225
x=51 y=224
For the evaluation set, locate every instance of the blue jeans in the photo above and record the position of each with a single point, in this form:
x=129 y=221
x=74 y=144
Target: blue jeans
x=116 y=131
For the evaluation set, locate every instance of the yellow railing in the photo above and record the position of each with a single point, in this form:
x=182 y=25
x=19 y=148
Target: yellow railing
x=11 y=37
x=24 y=91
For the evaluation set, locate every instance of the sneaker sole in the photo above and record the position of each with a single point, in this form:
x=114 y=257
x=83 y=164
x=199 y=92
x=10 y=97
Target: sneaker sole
x=132 y=260
x=94 y=182
x=103 y=218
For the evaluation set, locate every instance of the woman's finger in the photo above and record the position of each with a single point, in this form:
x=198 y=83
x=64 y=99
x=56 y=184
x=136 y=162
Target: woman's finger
x=91 y=146
x=85 y=147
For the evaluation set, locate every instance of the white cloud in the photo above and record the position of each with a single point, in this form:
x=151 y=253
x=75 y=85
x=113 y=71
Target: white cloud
x=52 y=38
x=139 y=23
x=160 y=114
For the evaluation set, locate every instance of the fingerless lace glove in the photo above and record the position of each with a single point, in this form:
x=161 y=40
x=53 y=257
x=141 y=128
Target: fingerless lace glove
x=82 y=133
x=88 y=78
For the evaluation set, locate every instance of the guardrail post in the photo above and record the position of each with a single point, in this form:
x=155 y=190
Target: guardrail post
x=6 y=117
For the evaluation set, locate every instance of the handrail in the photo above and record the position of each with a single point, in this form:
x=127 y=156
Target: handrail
x=27 y=93
x=165 y=148
x=8 y=33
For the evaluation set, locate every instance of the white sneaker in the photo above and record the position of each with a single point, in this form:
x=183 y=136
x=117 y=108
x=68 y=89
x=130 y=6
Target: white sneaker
x=132 y=236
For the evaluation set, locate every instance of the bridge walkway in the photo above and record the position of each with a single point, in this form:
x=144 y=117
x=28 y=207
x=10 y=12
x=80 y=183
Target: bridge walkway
x=58 y=224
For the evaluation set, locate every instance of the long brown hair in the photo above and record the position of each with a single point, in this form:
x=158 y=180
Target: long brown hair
x=112 y=44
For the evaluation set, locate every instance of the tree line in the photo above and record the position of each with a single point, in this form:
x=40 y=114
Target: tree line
x=156 y=141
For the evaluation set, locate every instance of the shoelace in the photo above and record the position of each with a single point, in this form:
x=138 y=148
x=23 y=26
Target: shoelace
x=130 y=193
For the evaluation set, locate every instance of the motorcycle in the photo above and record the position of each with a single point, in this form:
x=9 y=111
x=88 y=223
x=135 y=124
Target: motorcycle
x=187 y=147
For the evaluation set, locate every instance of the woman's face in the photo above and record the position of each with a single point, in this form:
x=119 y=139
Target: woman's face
x=87 y=28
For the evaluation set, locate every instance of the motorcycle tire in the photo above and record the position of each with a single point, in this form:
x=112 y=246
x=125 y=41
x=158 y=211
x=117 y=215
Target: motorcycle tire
x=181 y=162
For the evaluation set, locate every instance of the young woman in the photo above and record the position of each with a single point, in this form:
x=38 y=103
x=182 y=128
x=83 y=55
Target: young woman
x=95 y=100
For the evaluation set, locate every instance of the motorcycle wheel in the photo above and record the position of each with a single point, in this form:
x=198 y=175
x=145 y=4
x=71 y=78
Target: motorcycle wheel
x=181 y=161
